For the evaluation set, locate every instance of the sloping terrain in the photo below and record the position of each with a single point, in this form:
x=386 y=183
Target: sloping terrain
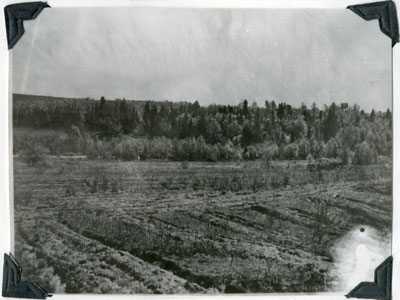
x=160 y=227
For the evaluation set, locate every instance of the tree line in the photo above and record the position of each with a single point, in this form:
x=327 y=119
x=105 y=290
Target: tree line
x=187 y=131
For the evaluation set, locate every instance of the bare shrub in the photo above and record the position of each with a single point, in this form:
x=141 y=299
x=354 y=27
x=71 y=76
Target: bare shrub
x=196 y=183
x=33 y=154
x=166 y=182
x=105 y=183
x=275 y=181
x=70 y=191
x=286 y=180
x=92 y=184
x=114 y=186
x=185 y=165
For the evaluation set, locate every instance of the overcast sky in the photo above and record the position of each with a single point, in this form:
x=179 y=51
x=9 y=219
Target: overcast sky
x=210 y=55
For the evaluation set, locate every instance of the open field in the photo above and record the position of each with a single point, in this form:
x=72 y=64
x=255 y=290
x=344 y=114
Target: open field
x=98 y=226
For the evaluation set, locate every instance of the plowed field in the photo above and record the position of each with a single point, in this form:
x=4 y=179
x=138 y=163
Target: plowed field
x=95 y=226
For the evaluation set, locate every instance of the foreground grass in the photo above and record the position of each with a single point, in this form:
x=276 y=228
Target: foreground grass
x=223 y=227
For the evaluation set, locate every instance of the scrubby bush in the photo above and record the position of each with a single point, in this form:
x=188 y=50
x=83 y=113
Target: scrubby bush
x=331 y=149
x=317 y=148
x=291 y=151
x=286 y=180
x=275 y=181
x=268 y=152
x=250 y=153
x=34 y=153
x=344 y=156
x=364 y=154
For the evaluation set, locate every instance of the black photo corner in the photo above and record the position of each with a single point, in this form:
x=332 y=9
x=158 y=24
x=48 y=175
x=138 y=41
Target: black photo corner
x=385 y=12
x=381 y=288
x=13 y=287
x=16 y=14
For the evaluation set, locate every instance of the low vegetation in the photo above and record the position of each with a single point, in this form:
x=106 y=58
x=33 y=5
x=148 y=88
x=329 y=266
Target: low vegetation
x=119 y=227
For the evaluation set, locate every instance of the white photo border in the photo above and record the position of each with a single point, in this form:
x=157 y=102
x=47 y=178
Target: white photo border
x=6 y=176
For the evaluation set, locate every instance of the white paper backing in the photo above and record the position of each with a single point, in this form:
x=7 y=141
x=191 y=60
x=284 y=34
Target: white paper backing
x=6 y=133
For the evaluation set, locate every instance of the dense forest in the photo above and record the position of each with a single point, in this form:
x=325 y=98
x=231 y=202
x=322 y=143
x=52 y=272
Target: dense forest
x=129 y=130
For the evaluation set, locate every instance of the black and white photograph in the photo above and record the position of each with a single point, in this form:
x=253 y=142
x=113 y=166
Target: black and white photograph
x=171 y=150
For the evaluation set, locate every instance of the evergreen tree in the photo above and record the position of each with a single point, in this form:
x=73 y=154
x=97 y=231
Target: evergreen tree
x=330 y=125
